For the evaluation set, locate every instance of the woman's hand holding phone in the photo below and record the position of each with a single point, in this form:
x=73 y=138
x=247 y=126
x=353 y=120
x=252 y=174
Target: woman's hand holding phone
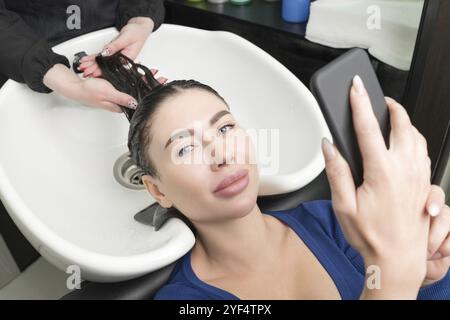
x=386 y=218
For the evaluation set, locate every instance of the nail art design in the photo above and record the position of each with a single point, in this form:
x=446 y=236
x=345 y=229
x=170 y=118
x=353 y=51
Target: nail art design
x=106 y=52
x=132 y=104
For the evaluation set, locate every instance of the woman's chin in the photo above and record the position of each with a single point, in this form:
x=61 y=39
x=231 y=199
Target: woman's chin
x=239 y=206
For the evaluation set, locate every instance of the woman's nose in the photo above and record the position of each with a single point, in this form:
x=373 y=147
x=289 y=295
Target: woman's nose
x=221 y=153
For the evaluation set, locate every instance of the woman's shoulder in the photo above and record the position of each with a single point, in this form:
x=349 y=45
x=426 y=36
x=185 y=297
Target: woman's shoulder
x=319 y=219
x=180 y=291
x=318 y=212
x=178 y=287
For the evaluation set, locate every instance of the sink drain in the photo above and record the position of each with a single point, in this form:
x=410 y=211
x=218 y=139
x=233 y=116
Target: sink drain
x=127 y=173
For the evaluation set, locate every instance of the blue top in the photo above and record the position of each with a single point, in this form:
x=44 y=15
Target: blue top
x=315 y=223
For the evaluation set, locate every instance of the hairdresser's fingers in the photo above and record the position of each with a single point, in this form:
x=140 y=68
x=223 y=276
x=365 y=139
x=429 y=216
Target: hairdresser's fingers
x=111 y=106
x=83 y=66
x=122 y=99
x=97 y=73
x=162 y=80
x=152 y=70
x=88 y=58
x=88 y=71
x=114 y=46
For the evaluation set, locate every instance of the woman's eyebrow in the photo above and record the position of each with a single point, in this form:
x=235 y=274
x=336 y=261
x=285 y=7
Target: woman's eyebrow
x=190 y=132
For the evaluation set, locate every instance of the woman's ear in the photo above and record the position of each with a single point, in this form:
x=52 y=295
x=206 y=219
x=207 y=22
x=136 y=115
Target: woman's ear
x=154 y=190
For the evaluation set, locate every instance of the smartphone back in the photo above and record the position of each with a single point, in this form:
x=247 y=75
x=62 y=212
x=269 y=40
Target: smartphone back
x=331 y=87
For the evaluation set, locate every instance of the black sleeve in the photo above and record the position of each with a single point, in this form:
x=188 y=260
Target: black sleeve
x=128 y=9
x=24 y=56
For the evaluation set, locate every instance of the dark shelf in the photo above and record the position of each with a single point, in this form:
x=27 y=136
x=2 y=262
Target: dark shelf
x=260 y=22
x=259 y=12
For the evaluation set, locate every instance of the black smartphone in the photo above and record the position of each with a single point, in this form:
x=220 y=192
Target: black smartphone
x=331 y=87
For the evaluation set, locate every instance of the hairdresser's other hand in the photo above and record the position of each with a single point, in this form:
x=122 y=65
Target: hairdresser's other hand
x=129 y=42
x=131 y=38
x=439 y=237
x=385 y=218
x=92 y=92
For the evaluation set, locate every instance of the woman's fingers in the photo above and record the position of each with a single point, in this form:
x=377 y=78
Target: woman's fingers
x=422 y=160
x=340 y=178
x=436 y=269
x=439 y=231
x=436 y=200
x=370 y=139
x=421 y=144
x=401 y=128
x=444 y=249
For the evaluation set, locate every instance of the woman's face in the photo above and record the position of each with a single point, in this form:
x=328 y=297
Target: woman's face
x=191 y=167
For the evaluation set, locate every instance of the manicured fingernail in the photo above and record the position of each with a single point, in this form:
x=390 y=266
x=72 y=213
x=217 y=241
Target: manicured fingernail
x=359 y=85
x=433 y=209
x=106 y=52
x=132 y=104
x=327 y=148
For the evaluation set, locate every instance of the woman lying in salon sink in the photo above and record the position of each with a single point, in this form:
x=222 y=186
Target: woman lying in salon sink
x=386 y=239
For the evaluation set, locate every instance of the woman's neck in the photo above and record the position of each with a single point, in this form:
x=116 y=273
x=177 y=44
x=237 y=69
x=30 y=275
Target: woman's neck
x=240 y=245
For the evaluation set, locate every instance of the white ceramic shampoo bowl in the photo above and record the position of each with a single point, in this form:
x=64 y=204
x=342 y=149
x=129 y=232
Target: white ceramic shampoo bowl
x=57 y=156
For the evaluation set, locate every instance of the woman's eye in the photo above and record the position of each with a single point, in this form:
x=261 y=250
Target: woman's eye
x=227 y=125
x=183 y=150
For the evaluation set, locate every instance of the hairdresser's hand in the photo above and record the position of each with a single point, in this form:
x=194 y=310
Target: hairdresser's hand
x=439 y=237
x=93 y=92
x=129 y=42
x=100 y=93
x=385 y=218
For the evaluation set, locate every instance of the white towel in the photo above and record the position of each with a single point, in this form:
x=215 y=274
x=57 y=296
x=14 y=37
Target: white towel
x=387 y=28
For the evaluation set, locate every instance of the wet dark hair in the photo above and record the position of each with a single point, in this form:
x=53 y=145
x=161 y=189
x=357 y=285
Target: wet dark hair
x=137 y=80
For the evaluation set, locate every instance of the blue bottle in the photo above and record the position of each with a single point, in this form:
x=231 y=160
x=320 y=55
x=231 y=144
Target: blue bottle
x=295 y=10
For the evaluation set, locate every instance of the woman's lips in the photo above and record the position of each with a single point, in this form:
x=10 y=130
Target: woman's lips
x=233 y=184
